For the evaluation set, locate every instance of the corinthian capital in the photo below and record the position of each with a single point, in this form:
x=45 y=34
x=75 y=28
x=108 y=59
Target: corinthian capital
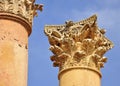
x=80 y=44
x=23 y=8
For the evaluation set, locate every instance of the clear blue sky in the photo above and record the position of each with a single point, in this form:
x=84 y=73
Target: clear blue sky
x=41 y=71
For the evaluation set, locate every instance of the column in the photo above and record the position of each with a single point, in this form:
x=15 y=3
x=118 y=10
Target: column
x=15 y=27
x=78 y=50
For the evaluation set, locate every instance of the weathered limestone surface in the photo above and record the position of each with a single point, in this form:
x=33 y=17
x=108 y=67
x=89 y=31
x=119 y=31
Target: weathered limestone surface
x=13 y=53
x=15 y=26
x=78 y=50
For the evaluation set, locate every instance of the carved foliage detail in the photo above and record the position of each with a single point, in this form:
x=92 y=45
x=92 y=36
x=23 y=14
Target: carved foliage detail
x=78 y=44
x=24 y=8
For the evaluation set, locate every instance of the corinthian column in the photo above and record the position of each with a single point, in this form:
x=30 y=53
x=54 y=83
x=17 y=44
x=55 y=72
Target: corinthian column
x=78 y=50
x=15 y=26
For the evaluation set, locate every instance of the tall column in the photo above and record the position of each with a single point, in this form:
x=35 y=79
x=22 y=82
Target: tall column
x=78 y=50
x=15 y=26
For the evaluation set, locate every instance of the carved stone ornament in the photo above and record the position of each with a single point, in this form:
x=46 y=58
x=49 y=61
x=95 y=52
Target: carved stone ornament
x=80 y=44
x=23 y=8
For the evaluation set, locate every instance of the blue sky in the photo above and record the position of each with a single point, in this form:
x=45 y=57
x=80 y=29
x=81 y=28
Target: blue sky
x=41 y=71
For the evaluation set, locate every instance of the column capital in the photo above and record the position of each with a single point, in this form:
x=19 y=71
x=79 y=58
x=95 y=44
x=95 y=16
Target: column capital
x=78 y=45
x=26 y=9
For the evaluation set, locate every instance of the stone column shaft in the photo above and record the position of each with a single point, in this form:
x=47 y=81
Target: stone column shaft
x=13 y=53
x=15 y=26
x=79 y=77
x=78 y=50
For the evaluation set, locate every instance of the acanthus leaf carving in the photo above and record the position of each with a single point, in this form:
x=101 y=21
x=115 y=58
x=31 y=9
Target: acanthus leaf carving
x=23 y=8
x=78 y=44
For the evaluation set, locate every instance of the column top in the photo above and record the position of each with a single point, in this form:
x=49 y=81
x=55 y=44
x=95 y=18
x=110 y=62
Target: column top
x=79 y=44
x=20 y=9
